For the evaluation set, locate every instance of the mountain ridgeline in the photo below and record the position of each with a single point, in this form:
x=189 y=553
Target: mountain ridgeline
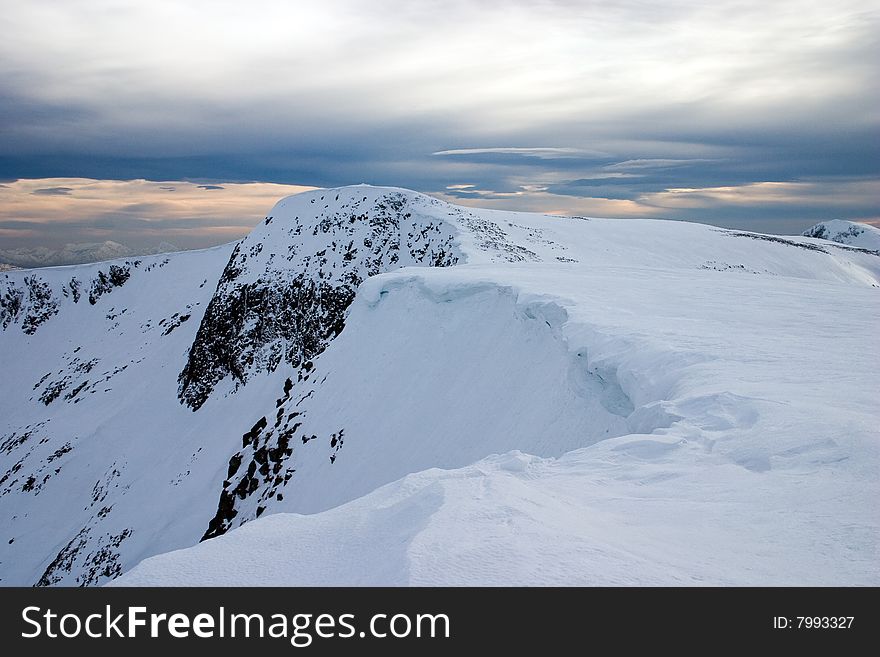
x=284 y=292
x=282 y=298
x=356 y=336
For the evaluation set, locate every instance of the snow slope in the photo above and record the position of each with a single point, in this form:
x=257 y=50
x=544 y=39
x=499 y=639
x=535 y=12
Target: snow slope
x=530 y=400
x=860 y=235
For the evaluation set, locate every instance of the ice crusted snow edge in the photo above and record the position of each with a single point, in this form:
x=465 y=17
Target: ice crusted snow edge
x=601 y=367
x=591 y=377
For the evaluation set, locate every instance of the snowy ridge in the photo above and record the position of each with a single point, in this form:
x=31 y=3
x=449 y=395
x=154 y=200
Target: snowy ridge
x=679 y=425
x=723 y=380
x=285 y=289
x=847 y=232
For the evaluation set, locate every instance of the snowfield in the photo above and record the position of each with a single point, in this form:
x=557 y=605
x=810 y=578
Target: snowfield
x=375 y=387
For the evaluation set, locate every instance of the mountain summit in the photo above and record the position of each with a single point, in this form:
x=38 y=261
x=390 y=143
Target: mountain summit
x=847 y=232
x=384 y=388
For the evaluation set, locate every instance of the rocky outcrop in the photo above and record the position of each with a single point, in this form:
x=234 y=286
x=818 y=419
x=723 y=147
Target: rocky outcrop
x=33 y=301
x=287 y=285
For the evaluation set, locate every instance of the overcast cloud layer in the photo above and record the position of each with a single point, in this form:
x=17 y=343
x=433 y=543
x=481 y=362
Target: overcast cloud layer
x=748 y=114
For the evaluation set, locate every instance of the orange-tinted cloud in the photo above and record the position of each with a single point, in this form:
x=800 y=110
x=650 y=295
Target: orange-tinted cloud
x=537 y=199
x=842 y=194
x=53 y=211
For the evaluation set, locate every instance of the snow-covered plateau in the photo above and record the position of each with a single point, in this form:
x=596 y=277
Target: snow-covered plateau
x=377 y=387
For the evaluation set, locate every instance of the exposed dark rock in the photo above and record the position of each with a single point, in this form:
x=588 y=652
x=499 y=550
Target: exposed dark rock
x=41 y=304
x=11 y=302
x=104 y=283
x=779 y=240
x=265 y=313
x=74 y=286
x=175 y=321
x=94 y=567
x=234 y=464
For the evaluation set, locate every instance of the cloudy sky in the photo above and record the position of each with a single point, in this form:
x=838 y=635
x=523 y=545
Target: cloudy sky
x=747 y=113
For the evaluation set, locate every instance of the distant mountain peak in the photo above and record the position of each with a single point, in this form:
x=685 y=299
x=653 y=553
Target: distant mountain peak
x=76 y=253
x=853 y=233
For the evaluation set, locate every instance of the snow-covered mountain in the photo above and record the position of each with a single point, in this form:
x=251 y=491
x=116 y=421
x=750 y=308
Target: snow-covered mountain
x=408 y=392
x=75 y=254
x=861 y=235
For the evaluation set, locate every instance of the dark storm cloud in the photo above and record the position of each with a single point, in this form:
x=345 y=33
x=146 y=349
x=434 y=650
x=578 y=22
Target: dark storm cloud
x=52 y=191
x=556 y=105
x=14 y=224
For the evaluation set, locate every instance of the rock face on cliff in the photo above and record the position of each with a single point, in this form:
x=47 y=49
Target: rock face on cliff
x=284 y=292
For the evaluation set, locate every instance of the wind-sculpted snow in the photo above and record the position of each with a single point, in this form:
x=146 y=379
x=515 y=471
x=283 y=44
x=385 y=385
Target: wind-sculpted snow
x=666 y=397
x=413 y=399
x=673 y=446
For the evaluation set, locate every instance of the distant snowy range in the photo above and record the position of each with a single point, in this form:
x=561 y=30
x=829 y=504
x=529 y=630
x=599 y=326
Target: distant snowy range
x=375 y=387
x=73 y=254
